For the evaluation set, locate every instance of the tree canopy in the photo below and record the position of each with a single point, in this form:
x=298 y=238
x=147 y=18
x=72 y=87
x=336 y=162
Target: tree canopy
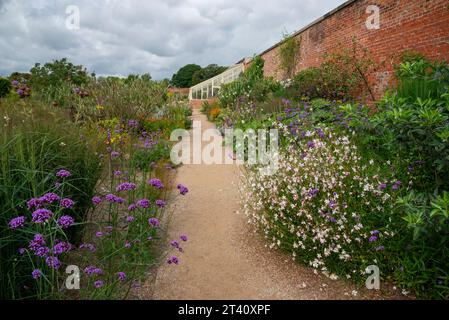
x=206 y=73
x=192 y=74
x=183 y=78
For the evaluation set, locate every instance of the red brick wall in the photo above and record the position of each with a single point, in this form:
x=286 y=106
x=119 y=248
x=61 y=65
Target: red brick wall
x=418 y=25
x=179 y=90
x=198 y=103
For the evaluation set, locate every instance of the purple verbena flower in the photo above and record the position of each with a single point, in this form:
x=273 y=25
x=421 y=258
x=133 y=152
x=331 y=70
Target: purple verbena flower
x=173 y=260
x=98 y=284
x=67 y=203
x=37 y=242
x=174 y=244
x=160 y=203
x=36 y=274
x=96 y=200
x=153 y=222
x=114 y=198
x=53 y=262
x=372 y=239
x=115 y=154
x=63 y=174
x=49 y=198
x=183 y=237
x=156 y=183
x=61 y=247
x=65 y=221
x=130 y=218
x=34 y=203
x=182 y=189
x=17 y=222
x=126 y=186
x=88 y=246
x=42 y=252
x=41 y=215
x=92 y=270
x=143 y=203
x=121 y=276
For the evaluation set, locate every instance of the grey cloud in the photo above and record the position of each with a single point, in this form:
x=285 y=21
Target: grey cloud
x=131 y=36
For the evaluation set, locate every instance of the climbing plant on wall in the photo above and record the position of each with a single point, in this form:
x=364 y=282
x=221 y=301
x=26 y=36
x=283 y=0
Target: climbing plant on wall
x=289 y=54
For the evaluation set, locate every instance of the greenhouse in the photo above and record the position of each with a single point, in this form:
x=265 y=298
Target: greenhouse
x=209 y=88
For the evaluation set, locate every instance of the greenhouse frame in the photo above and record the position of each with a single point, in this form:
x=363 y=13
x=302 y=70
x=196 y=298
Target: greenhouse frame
x=209 y=89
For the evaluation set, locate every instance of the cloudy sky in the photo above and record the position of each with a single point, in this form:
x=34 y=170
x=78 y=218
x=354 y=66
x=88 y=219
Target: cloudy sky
x=119 y=37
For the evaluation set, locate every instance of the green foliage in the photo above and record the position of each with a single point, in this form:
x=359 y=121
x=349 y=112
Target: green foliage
x=421 y=78
x=417 y=133
x=206 y=73
x=342 y=76
x=250 y=86
x=184 y=77
x=108 y=98
x=133 y=77
x=110 y=128
x=407 y=140
x=35 y=142
x=143 y=158
x=426 y=242
x=20 y=77
x=51 y=76
x=289 y=55
x=5 y=87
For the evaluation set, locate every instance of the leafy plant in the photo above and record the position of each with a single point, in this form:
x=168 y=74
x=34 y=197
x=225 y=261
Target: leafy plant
x=289 y=54
x=5 y=87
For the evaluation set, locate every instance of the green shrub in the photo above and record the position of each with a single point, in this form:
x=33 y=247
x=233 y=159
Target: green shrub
x=289 y=54
x=250 y=86
x=109 y=98
x=5 y=87
x=342 y=76
x=48 y=78
x=421 y=78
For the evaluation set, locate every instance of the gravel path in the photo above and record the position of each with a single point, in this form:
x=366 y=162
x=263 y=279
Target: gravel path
x=223 y=258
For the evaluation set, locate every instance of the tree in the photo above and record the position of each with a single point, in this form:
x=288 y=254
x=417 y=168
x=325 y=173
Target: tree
x=55 y=74
x=183 y=78
x=206 y=73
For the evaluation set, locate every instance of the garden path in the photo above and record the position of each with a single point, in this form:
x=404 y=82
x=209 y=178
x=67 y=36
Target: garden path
x=223 y=258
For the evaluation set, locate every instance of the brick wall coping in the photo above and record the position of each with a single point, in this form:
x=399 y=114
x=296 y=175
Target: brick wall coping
x=324 y=17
